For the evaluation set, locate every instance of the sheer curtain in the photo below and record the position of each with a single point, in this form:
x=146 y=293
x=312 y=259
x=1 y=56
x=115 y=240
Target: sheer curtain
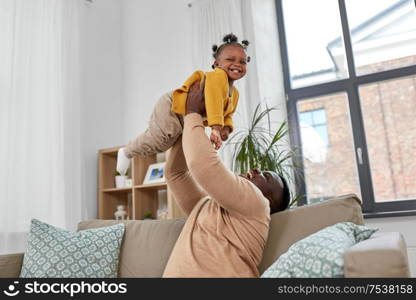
x=211 y=20
x=256 y=22
x=40 y=172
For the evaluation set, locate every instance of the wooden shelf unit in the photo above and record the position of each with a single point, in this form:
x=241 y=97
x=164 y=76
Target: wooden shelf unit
x=139 y=199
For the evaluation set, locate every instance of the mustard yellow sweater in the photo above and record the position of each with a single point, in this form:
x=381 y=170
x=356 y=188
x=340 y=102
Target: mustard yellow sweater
x=219 y=105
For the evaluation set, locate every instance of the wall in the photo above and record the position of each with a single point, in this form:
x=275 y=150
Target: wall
x=101 y=125
x=132 y=52
x=156 y=56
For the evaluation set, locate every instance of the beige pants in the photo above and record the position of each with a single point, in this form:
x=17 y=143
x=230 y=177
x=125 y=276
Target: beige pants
x=165 y=127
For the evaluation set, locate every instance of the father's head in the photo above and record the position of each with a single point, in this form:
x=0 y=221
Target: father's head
x=273 y=187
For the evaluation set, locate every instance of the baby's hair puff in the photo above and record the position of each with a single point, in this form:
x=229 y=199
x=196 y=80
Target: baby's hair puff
x=229 y=39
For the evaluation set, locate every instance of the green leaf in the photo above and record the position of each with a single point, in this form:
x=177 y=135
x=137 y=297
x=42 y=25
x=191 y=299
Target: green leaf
x=259 y=146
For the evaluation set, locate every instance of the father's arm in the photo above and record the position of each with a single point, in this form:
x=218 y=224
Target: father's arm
x=186 y=191
x=234 y=193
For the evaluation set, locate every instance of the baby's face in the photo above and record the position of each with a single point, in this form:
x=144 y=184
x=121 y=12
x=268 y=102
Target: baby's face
x=233 y=60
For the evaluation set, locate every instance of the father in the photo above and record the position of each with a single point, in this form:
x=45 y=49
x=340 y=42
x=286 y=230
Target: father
x=228 y=214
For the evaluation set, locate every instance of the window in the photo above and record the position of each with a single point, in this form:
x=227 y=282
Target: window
x=313 y=64
x=382 y=35
x=350 y=79
x=388 y=110
x=321 y=164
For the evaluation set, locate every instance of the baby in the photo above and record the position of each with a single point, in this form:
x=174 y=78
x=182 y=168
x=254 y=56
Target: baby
x=221 y=98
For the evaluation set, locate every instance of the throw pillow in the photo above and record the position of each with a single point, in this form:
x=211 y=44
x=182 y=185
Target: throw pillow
x=58 y=253
x=320 y=254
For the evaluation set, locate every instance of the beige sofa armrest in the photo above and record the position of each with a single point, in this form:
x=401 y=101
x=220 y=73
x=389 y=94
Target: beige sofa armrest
x=384 y=254
x=10 y=265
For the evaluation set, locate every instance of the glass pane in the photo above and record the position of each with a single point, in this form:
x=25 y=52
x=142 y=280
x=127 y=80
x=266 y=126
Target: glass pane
x=389 y=112
x=323 y=133
x=311 y=27
x=329 y=170
x=319 y=116
x=383 y=34
x=306 y=118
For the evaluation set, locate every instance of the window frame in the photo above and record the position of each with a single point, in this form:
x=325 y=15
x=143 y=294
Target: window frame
x=350 y=86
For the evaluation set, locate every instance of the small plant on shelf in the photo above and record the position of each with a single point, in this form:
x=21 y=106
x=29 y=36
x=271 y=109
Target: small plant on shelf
x=148 y=216
x=120 y=180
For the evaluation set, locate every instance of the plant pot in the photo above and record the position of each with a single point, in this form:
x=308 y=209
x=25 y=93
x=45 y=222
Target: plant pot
x=129 y=182
x=121 y=181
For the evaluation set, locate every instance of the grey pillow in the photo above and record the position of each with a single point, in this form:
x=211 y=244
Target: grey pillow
x=58 y=253
x=320 y=254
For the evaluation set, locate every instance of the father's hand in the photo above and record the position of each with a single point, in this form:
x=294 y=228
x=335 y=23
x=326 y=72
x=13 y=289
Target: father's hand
x=195 y=102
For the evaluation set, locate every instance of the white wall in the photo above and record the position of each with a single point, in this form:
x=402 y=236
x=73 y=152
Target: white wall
x=156 y=56
x=132 y=52
x=102 y=122
x=404 y=225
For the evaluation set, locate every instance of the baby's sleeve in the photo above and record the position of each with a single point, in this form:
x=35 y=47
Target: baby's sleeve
x=179 y=95
x=216 y=87
x=228 y=121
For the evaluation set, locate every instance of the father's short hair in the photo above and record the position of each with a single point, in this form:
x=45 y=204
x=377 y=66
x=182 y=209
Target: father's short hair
x=286 y=194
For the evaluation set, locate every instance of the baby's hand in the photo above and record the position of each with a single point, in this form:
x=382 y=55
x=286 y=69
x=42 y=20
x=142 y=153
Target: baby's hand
x=225 y=132
x=216 y=136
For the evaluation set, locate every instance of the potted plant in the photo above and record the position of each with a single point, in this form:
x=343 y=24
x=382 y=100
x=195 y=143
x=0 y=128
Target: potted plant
x=120 y=179
x=259 y=146
x=148 y=216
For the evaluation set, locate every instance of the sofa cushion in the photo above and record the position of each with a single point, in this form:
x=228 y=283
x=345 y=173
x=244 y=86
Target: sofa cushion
x=146 y=246
x=57 y=253
x=11 y=265
x=320 y=255
x=288 y=227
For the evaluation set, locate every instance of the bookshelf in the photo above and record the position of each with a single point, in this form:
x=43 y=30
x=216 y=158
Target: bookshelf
x=139 y=199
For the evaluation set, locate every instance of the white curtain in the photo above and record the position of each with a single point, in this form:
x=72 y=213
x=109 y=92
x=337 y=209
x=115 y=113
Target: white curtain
x=256 y=22
x=211 y=20
x=40 y=172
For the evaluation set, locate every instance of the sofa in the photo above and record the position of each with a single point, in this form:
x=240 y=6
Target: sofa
x=147 y=244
